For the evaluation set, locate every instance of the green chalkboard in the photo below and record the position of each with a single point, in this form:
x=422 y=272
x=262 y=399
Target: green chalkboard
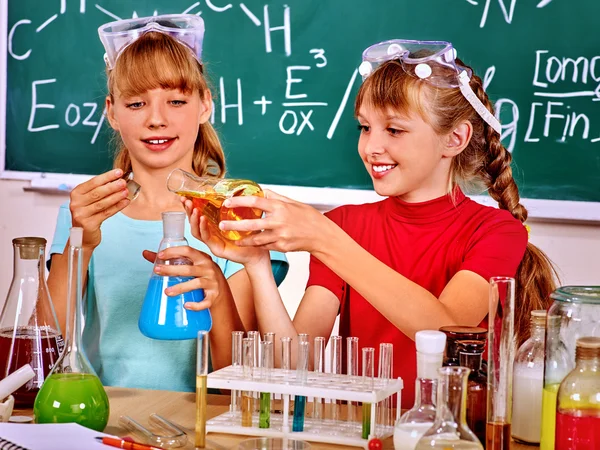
x=283 y=75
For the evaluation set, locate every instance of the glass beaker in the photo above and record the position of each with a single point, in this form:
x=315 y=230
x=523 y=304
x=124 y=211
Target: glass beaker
x=165 y=317
x=574 y=313
x=578 y=406
x=450 y=429
x=459 y=333
x=208 y=194
x=528 y=383
x=29 y=331
x=413 y=424
x=501 y=356
x=73 y=392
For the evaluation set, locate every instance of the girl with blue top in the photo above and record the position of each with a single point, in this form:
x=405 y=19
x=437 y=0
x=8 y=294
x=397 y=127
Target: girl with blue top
x=159 y=104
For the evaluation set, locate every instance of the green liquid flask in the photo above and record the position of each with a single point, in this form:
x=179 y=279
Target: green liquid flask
x=73 y=392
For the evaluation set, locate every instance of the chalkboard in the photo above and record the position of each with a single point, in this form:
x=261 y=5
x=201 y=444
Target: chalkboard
x=284 y=77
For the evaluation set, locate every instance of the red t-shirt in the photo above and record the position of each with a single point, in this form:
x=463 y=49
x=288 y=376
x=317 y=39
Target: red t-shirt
x=428 y=243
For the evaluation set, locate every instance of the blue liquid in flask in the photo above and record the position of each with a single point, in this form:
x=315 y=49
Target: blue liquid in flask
x=164 y=317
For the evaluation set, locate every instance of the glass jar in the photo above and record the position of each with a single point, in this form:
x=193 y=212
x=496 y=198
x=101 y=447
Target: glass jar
x=575 y=313
x=460 y=333
x=528 y=383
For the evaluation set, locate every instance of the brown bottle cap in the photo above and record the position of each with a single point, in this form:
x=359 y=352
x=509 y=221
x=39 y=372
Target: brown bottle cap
x=29 y=247
x=453 y=330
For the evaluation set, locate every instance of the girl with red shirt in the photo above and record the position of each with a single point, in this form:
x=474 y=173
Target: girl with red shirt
x=421 y=258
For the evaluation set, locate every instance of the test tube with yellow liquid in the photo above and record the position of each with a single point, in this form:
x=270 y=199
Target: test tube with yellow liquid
x=201 y=391
x=208 y=194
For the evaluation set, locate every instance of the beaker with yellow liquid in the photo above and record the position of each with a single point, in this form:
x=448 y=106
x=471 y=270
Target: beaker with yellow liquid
x=208 y=194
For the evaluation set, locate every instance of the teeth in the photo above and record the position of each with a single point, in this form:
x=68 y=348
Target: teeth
x=383 y=168
x=157 y=141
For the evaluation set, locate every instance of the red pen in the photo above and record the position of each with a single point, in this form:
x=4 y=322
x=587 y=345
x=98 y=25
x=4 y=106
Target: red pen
x=120 y=443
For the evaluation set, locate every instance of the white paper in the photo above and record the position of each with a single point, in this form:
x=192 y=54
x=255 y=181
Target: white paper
x=52 y=436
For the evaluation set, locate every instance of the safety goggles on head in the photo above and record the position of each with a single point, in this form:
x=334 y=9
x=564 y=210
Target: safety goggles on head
x=186 y=28
x=432 y=61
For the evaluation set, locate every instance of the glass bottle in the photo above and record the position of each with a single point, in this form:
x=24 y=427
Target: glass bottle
x=29 y=331
x=450 y=429
x=574 y=313
x=165 y=317
x=501 y=356
x=208 y=194
x=73 y=392
x=460 y=333
x=411 y=426
x=578 y=404
x=471 y=355
x=528 y=383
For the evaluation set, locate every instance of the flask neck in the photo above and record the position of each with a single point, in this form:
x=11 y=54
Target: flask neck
x=587 y=358
x=452 y=394
x=425 y=392
x=538 y=328
x=28 y=262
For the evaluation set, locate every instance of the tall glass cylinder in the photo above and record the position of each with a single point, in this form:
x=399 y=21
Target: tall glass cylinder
x=201 y=387
x=236 y=362
x=501 y=355
x=247 y=396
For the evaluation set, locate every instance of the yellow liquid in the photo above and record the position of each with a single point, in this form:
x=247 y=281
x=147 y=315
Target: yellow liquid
x=201 y=411
x=549 y=416
x=209 y=204
x=247 y=401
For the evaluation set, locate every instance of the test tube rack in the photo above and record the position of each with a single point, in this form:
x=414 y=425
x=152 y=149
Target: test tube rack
x=319 y=385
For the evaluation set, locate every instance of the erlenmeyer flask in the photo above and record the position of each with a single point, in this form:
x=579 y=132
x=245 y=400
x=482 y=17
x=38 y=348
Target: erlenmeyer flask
x=164 y=317
x=73 y=392
x=29 y=332
x=450 y=429
x=208 y=194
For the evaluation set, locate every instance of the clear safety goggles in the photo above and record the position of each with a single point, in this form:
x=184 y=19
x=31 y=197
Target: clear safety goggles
x=186 y=28
x=432 y=61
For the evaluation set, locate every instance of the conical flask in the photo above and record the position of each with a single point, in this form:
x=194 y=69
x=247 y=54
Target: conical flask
x=73 y=392
x=450 y=429
x=411 y=426
x=29 y=332
x=208 y=194
x=164 y=317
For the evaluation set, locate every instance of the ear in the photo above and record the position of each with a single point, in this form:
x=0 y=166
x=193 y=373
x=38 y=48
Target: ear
x=206 y=105
x=110 y=113
x=458 y=139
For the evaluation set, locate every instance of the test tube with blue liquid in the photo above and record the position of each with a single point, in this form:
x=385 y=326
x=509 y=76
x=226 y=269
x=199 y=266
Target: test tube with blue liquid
x=368 y=371
x=301 y=378
x=236 y=362
x=318 y=367
x=248 y=365
x=264 y=418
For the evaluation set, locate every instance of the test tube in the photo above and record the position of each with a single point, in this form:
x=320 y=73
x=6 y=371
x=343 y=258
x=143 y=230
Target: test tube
x=352 y=370
x=301 y=378
x=368 y=371
x=336 y=368
x=501 y=355
x=318 y=367
x=264 y=417
x=248 y=363
x=236 y=363
x=385 y=373
x=286 y=355
x=201 y=392
x=256 y=336
x=133 y=187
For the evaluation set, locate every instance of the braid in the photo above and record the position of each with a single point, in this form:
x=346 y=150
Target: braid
x=497 y=170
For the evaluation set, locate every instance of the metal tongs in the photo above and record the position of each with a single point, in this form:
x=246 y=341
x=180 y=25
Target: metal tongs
x=173 y=435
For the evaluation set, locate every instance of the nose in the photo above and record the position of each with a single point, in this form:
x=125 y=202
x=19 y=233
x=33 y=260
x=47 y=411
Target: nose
x=374 y=144
x=157 y=117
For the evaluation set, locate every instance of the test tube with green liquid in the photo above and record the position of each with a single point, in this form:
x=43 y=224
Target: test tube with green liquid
x=201 y=385
x=368 y=371
x=266 y=352
x=301 y=378
x=248 y=365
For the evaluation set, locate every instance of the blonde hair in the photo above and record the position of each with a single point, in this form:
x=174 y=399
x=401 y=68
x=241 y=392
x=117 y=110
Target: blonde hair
x=156 y=60
x=484 y=161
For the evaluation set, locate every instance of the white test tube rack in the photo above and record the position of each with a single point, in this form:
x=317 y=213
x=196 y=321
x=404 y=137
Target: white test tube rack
x=320 y=385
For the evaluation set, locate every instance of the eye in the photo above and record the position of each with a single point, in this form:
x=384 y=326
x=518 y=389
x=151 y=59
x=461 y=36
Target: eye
x=363 y=128
x=178 y=102
x=135 y=105
x=395 y=131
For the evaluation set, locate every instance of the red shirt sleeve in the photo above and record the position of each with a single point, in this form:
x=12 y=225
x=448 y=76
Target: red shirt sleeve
x=497 y=247
x=319 y=273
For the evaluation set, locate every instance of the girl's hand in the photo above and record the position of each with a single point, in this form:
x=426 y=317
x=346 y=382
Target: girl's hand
x=204 y=231
x=207 y=275
x=287 y=226
x=95 y=201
